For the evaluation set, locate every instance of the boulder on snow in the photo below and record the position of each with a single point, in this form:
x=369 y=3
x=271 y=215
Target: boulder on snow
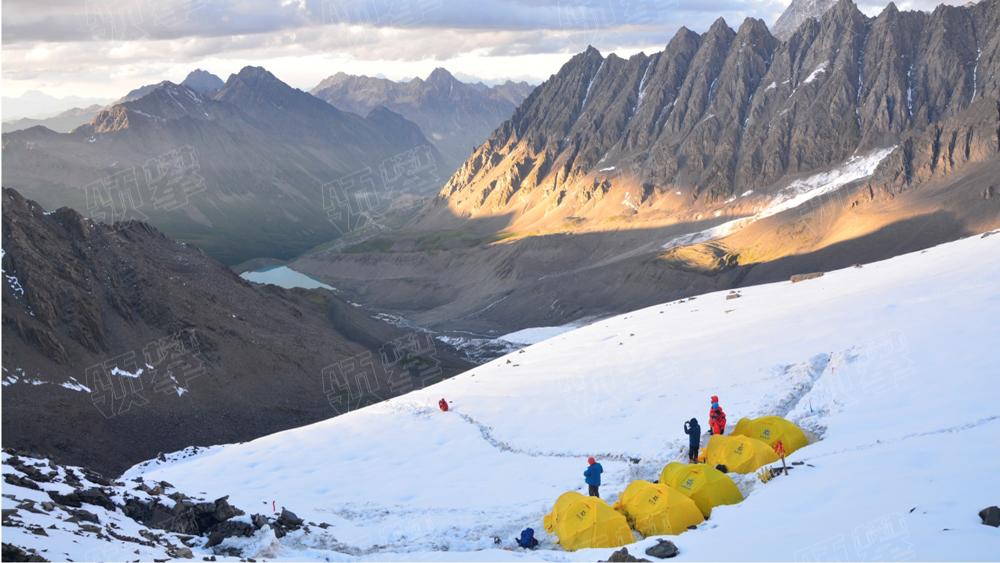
x=180 y=553
x=81 y=515
x=71 y=499
x=259 y=521
x=990 y=516
x=229 y=529
x=622 y=555
x=288 y=519
x=97 y=497
x=12 y=552
x=223 y=510
x=664 y=549
x=18 y=481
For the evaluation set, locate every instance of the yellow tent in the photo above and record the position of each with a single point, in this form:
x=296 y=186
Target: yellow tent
x=581 y=522
x=739 y=454
x=707 y=486
x=655 y=510
x=771 y=429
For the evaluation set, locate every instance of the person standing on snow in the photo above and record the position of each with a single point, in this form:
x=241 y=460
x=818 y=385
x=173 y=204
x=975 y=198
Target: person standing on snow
x=592 y=476
x=693 y=430
x=716 y=417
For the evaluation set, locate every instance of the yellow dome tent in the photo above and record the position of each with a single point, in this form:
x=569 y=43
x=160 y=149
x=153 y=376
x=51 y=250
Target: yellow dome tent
x=772 y=429
x=655 y=510
x=707 y=486
x=580 y=522
x=739 y=454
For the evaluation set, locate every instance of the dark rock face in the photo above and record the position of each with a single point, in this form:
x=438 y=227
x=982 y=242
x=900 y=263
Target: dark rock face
x=184 y=516
x=941 y=150
x=727 y=111
x=455 y=116
x=113 y=335
x=238 y=169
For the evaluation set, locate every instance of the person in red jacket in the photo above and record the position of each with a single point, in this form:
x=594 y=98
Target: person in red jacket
x=443 y=405
x=716 y=417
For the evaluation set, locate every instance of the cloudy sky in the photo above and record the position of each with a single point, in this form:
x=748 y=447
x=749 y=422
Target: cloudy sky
x=103 y=48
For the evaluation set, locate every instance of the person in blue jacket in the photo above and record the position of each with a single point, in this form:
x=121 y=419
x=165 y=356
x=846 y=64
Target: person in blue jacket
x=593 y=476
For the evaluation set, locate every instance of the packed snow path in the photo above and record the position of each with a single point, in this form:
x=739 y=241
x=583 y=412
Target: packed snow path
x=894 y=364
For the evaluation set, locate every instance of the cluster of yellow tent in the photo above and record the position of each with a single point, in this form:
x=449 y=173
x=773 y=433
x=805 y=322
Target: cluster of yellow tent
x=684 y=495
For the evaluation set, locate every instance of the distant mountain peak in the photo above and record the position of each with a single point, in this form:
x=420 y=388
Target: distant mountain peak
x=203 y=82
x=254 y=73
x=440 y=74
x=719 y=25
x=455 y=115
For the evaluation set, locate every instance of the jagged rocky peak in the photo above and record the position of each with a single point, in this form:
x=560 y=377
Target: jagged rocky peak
x=161 y=101
x=252 y=76
x=797 y=13
x=440 y=77
x=255 y=88
x=203 y=82
x=724 y=112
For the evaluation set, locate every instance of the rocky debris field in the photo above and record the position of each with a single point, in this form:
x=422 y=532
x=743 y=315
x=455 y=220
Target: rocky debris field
x=73 y=511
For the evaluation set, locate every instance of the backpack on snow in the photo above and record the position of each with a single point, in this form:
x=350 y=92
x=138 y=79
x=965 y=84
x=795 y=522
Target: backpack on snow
x=527 y=539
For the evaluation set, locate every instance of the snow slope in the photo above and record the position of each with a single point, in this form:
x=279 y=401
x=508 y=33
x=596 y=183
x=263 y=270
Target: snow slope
x=893 y=366
x=795 y=194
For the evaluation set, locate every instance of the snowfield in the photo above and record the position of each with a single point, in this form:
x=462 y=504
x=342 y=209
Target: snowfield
x=892 y=366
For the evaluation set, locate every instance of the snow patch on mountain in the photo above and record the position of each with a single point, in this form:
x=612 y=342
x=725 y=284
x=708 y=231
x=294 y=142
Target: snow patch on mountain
x=794 y=195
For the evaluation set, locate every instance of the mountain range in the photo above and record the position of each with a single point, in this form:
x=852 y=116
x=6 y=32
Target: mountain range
x=63 y=122
x=726 y=112
x=256 y=168
x=455 y=116
x=730 y=158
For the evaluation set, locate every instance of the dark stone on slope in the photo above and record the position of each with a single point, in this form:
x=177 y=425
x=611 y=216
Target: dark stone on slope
x=19 y=481
x=185 y=517
x=81 y=515
x=228 y=530
x=664 y=549
x=222 y=510
x=12 y=552
x=259 y=521
x=72 y=499
x=8 y=513
x=622 y=556
x=288 y=519
x=990 y=516
x=98 y=497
